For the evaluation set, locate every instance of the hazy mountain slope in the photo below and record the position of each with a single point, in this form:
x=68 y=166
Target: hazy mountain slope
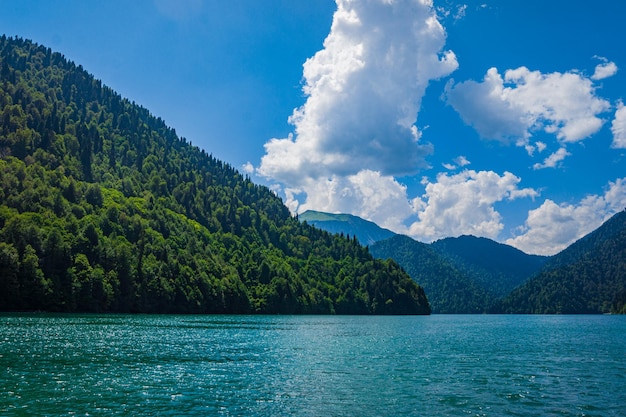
x=104 y=208
x=365 y=231
x=448 y=289
x=496 y=267
x=587 y=277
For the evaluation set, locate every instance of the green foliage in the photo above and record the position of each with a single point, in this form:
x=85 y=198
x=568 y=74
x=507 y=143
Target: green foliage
x=449 y=290
x=104 y=208
x=587 y=277
x=496 y=267
x=460 y=275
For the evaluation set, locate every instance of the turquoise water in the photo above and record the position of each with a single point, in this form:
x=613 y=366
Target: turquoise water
x=438 y=365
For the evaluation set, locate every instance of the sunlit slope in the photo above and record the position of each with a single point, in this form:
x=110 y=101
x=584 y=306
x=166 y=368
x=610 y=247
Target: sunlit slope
x=104 y=208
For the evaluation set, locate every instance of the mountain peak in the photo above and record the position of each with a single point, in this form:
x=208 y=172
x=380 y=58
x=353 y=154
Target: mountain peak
x=366 y=232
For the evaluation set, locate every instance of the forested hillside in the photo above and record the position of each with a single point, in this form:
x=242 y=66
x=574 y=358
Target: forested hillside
x=587 y=277
x=496 y=267
x=465 y=274
x=104 y=208
x=449 y=289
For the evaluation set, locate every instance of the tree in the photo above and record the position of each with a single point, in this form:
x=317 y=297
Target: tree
x=9 y=282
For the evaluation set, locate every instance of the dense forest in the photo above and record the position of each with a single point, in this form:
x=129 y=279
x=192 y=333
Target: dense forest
x=104 y=208
x=496 y=267
x=461 y=275
x=450 y=291
x=587 y=277
x=467 y=274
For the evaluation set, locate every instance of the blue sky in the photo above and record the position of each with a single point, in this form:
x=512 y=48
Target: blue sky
x=501 y=119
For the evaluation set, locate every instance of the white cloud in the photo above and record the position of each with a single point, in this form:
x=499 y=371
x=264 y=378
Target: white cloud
x=464 y=204
x=460 y=12
x=364 y=91
x=459 y=161
x=462 y=161
x=445 y=12
x=538 y=146
x=367 y=194
x=618 y=127
x=512 y=108
x=248 y=168
x=541 y=146
x=552 y=227
x=605 y=70
x=553 y=160
x=453 y=205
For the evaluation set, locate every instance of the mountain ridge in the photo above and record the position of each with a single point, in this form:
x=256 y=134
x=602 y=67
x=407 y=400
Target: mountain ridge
x=103 y=208
x=366 y=232
x=495 y=266
x=449 y=290
x=469 y=274
x=588 y=277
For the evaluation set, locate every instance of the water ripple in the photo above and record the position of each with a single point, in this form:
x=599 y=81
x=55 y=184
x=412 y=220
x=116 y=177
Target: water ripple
x=311 y=366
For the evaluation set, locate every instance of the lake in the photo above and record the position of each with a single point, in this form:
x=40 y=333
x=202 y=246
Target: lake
x=439 y=365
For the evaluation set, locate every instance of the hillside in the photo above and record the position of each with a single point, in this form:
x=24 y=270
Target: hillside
x=449 y=290
x=587 y=277
x=496 y=267
x=104 y=208
x=365 y=231
x=460 y=275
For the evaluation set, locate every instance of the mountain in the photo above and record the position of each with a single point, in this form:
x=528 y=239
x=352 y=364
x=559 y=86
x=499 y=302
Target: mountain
x=465 y=274
x=496 y=267
x=104 y=208
x=468 y=274
x=587 y=277
x=365 y=231
x=449 y=289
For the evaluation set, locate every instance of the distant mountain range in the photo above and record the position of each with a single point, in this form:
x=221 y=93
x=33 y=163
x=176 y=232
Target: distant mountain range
x=365 y=231
x=468 y=274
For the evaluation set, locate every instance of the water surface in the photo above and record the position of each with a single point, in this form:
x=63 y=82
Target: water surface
x=439 y=365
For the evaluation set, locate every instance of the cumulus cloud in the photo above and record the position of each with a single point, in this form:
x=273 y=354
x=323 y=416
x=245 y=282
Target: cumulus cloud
x=552 y=227
x=512 y=108
x=604 y=70
x=452 y=205
x=463 y=203
x=248 y=168
x=367 y=194
x=618 y=127
x=462 y=161
x=553 y=160
x=363 y=91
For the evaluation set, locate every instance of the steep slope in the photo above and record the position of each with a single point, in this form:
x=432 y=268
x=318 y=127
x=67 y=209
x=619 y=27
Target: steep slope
x=587 y=277
x=496 y=267
x=449 y=290
x=365 y=231
x=104 y=208
x=467 y=266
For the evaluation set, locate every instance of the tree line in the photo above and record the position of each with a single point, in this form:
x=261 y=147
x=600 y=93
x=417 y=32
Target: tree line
x=104 y=208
